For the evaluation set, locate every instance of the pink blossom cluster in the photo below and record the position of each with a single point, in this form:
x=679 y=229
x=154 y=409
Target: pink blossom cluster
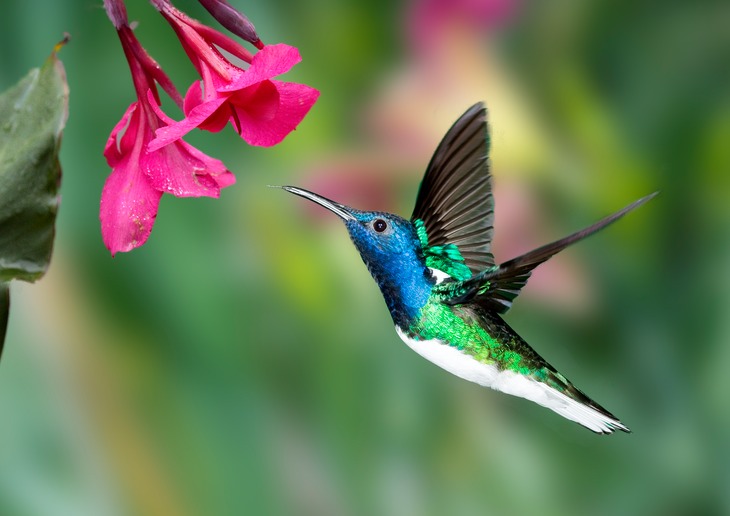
x=146 y=151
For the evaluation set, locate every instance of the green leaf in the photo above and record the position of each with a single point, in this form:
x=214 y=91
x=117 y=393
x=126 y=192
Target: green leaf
x=32 y=116
x=4 y=311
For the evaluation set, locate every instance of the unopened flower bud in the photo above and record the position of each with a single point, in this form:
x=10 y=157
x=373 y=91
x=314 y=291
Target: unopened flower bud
x=232 y=20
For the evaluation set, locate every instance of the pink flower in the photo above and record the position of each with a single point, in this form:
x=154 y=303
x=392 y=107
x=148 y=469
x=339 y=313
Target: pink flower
x=146 y=151
x=263 y=111
x=139 y=177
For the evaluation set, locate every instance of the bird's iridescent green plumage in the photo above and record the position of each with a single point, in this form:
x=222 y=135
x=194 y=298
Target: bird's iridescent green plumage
x=446 y=258
x=442 y=287
x=464 y=329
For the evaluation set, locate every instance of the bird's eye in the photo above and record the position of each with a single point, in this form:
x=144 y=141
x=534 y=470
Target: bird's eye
x=379 y=225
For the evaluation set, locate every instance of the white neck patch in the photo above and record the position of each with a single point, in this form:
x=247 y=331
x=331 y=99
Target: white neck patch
x=440 y=276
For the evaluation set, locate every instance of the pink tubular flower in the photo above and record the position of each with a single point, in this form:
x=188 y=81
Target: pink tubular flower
x=262 y=110
x=139 y=177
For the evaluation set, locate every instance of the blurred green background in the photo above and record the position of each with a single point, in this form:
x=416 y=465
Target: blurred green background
x=243 y=362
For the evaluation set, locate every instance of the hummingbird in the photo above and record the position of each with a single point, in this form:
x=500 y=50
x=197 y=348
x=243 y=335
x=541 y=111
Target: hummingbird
x=442 y=287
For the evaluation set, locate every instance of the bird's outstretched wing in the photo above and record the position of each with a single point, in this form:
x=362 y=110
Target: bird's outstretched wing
x=455 y=203
x=496 y=288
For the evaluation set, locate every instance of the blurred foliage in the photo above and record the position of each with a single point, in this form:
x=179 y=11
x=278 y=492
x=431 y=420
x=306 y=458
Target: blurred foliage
x=243 y=361
x=33 y=114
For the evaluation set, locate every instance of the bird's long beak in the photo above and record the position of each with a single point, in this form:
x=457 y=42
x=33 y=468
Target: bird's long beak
x=341 y=211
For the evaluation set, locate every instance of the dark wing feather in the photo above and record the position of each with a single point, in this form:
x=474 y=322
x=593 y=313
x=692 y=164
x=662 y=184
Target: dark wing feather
x=495 y=289
x=455 y=198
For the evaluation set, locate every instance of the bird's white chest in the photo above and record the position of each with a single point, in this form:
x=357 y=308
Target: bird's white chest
x=451 y=359
x=467 y=367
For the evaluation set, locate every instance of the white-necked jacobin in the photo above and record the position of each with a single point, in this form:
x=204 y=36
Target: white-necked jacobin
x=443 y=289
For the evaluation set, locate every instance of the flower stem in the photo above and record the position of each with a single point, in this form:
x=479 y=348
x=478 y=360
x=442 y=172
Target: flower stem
x=117 y=12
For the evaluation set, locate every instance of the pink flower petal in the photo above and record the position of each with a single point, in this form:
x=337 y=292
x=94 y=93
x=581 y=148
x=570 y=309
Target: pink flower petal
x=173 y=132
x=153 y=105
x=259 y=102
x=128 y=207
x=113 y=151
x=193 y=97
x=173 y=169
x=214 y=122
x=217 y=121
x=225 y=180
x=273 y=60
x=215 y=168
x=295 y=101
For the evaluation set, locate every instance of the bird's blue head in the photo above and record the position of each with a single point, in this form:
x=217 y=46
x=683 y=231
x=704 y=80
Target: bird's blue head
x=390 y=247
